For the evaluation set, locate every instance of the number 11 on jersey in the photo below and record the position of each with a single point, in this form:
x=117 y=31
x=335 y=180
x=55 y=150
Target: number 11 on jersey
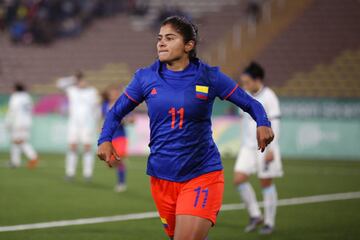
x=173 y=113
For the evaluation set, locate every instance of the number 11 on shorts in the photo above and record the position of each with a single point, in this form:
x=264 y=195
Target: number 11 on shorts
x=198 y=193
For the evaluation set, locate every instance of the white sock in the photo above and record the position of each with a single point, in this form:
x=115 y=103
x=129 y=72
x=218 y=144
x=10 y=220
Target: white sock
x=88 y=164
x=248 y=196
x=270 y=204
x=28 y=151
x=15 y=155
x=70 y=163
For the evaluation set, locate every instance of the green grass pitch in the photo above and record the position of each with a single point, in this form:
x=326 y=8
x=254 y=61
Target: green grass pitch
x=41 y=195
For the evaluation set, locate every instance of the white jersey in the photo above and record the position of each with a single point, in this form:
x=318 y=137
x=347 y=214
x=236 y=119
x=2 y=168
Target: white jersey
x=19 y=114
x=271 y=105
x=83 y=106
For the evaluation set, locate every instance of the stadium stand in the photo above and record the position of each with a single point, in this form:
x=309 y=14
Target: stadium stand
x=303 y=53
x=107 y=43
x=338 y=79
x=245 y=39
x=292 y=39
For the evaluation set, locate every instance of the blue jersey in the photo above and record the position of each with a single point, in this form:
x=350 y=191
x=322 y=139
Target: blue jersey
x=120 y=130
x=181 y=143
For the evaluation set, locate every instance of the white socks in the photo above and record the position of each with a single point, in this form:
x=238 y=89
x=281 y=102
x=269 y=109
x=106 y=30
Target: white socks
x=88 y=164
x=28 y=151
x=248 y=196
x=270 y=203
x=15 y=154
x=71 y=163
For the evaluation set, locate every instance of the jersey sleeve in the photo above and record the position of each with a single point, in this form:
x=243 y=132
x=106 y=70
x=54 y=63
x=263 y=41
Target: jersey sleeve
x=227 y=89
x=113 y=118
x=224 y=86
x=134 y=90
x=250 y=105
x=273 y=106
x=65 y=82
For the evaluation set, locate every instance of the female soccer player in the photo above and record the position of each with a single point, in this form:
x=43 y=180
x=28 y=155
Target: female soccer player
x=187 y=180
x=18 y=120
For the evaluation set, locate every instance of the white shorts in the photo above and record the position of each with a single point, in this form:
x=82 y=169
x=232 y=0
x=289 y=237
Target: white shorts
x=250 y=161
x=80 y=135
x=20 y=133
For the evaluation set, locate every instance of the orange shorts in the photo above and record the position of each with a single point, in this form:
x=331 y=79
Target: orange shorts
x=120 y=145
x=200 y=196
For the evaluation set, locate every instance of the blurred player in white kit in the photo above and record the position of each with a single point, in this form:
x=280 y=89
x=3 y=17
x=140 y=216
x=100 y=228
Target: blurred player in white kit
x=268 y=164
x=18 y=121
x=84 y=113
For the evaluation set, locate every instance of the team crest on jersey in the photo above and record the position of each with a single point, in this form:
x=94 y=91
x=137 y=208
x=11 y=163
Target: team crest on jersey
x=202 y=92
x=153 y=91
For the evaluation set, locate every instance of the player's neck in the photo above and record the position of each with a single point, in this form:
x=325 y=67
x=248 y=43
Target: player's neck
x=178 y=65
x=258 y=90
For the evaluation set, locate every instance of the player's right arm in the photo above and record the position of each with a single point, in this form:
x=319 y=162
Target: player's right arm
x=127 y=102
x=65 y=82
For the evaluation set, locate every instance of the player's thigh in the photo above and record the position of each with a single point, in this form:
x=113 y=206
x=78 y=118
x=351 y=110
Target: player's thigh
x=272 y=169
x=239 y=178
x=20 y=134
x=165 y=194
x=246 y=161
x=86 y=135
x=73 y=134
x=191 y=227
x=202 y=196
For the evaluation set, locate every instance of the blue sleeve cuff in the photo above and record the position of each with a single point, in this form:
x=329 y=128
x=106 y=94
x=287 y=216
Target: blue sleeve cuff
x=264 y=123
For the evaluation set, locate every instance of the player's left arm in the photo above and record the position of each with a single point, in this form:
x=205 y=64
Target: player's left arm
x=127 y=102
x=97 y=106
x=9 y=116
x=272 y=107
x=227 y=89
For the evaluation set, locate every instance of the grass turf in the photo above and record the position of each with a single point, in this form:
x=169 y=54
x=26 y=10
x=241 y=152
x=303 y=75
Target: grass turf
x=40 y=195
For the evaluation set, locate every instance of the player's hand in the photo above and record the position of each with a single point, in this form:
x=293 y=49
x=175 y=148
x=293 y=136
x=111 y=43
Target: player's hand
x=107 y=153
x=264 y=137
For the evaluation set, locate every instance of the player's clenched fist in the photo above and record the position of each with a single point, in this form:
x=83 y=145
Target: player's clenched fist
x=264 y=137
x=107 y=153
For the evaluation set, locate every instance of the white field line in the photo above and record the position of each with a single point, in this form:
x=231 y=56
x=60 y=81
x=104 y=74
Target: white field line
x=147 y=215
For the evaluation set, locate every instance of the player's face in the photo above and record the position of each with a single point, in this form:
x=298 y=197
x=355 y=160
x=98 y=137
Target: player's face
x=249 y=84
x=170 y=45
x=81 y=83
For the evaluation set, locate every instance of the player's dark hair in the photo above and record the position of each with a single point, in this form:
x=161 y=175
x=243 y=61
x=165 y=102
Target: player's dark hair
x=186 y=28
x=19 y=87
x=255 y=70
x=79 y=75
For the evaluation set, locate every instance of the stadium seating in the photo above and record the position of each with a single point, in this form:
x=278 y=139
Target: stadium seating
x=110 y=50
x=243 y=42
x=302 y=39
x=341 y=78
x=314 y=47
